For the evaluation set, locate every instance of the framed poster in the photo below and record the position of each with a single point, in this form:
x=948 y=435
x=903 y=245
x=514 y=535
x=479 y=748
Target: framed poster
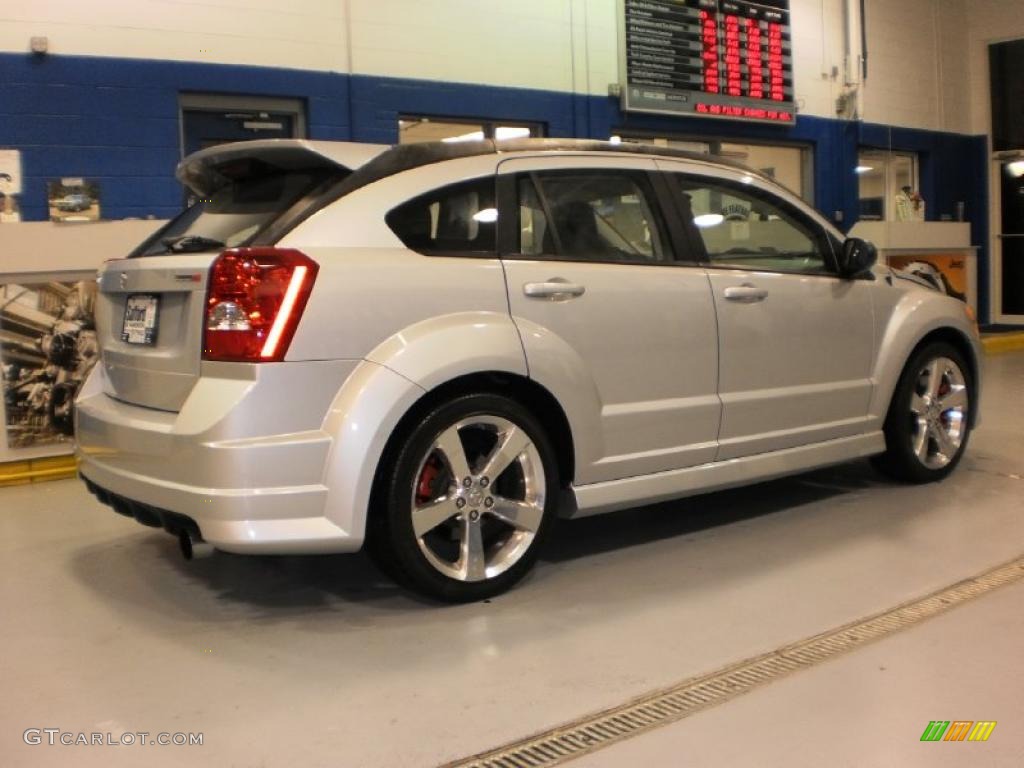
x=10 y=184
x=946 y=271
x=73 y=199
x=47 y=347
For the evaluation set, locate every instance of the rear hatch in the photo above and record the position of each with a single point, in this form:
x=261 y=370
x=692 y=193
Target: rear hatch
x=150 y=312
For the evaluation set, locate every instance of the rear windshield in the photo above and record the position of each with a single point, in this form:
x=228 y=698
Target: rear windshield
x=254 y=195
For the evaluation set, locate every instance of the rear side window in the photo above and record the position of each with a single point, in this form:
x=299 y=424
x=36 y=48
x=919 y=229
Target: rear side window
x=253 y=196
x=589 y=216
x=460 y=218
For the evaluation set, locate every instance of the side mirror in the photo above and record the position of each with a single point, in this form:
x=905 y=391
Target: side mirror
x=856 y=257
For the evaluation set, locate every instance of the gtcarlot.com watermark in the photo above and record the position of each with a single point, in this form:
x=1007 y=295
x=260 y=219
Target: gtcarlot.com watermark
x=56 y=737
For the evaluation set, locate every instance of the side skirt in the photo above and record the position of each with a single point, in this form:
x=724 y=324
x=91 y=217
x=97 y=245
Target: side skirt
x=612 y=495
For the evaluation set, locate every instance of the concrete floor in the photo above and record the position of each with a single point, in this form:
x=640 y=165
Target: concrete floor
x=321 y=661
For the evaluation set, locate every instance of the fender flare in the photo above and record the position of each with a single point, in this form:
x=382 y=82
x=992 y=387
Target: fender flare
x=558 y=367
x=388 y=383
x=904 y=333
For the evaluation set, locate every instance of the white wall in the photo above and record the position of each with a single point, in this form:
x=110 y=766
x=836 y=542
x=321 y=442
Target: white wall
x=990 y=21
x=918 y=70
x=303 y=34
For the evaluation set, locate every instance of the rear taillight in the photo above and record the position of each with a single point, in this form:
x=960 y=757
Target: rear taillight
x=253 y=303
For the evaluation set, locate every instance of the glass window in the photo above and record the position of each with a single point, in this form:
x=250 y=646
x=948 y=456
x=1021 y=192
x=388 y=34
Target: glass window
x=460 y=218
x=747 y=229
x=253 y=195
x=887 y=186
x=415 y=130
x=791 y=166
x=597 y=216
x=418 y=130
x=534 y=236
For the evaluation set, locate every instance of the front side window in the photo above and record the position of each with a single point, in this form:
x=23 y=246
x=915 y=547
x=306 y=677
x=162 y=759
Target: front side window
x=748 y=229
x=460 y=218
x=589 y=216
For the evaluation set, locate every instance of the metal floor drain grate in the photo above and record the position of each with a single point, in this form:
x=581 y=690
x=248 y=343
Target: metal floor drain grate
x=603 y=729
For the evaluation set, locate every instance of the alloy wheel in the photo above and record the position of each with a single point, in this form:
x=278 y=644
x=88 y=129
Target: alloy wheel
x=478 y=499
x=938 y=411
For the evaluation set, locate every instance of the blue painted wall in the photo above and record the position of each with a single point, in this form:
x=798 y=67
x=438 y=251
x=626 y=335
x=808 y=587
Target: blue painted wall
x=116 y=121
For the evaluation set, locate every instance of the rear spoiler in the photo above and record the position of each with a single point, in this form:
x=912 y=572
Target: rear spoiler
x=199 y=171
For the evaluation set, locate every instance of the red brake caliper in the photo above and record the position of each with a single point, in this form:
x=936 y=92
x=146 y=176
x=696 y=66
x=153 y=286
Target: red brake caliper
x=944 y=389
x=425 y=485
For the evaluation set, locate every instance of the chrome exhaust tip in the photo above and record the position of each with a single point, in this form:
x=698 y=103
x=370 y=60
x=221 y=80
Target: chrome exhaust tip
x=192 y=547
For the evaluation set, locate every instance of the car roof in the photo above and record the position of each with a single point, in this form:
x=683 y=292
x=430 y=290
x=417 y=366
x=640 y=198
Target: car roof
x=405 y=157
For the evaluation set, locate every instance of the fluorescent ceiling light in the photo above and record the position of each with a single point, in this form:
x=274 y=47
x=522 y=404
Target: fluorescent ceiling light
x=486 y=216
x=706 y=220
x=1016 y=168
x=863 y=168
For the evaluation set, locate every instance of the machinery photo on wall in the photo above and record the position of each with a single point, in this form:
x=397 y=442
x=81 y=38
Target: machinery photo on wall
x=47 y=346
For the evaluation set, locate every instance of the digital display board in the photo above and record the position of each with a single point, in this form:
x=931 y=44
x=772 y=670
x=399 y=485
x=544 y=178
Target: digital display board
x=710 y=58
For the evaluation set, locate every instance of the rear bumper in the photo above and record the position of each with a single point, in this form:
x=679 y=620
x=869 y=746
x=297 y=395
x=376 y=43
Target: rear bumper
x=203 y=469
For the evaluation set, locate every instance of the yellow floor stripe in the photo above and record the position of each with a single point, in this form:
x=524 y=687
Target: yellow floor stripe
x=1002 y=342
x=37 y=470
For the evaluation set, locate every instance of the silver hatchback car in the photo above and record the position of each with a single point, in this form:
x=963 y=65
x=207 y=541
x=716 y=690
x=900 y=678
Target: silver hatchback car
x=435 y=349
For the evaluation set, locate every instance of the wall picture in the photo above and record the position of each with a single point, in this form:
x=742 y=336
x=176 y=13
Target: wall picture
x=10 y=185
x=47 y=346
x=946 y=271
x=73 y=199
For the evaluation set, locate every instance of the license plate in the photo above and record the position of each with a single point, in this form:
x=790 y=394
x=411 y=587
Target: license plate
x=140 y=313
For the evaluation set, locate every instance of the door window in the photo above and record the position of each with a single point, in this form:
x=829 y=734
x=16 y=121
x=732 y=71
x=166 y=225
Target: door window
x=459 y=218
x=887 y=186
x=590 y=216
x=1011 y=237
x=745 y=228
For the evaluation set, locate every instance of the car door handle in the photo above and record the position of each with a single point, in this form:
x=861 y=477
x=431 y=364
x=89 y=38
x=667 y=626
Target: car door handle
x=556 y=289
x=745 y=294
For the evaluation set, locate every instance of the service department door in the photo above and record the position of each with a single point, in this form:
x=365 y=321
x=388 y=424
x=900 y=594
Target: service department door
x=796 y=341
x=599 y=300
x=1009 y=272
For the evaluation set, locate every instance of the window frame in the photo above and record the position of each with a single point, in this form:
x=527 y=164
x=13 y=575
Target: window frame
x=753 y=190
x=493 y=253
x=659 y=201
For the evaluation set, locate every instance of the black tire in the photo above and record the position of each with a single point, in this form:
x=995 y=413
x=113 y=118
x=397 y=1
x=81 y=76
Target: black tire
x=900 y=461
x=392 y=540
